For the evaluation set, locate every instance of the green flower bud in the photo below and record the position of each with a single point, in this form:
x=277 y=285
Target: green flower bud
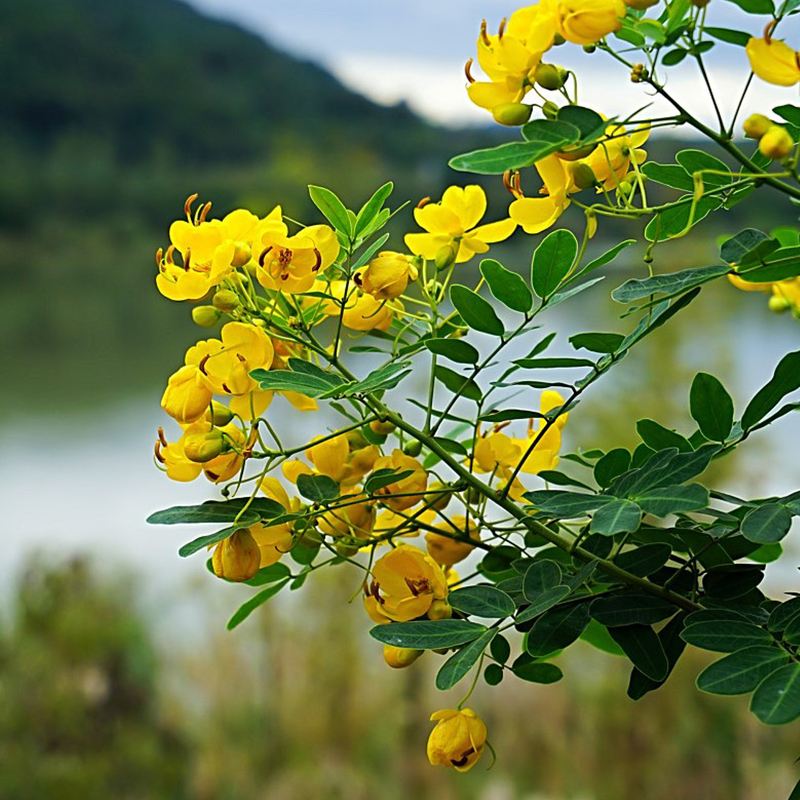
x=779 y=304
x=345 y=549
x=206 y=316
x=550 y=109
x=382 y=428
x=442 y=500
x=589 y=48
x=473 y=495
x=413 y=449
x=226 y=300
x=202 y=447
x=776 y=143
x=756 y=125
x=576 y=153
x=440 y=609
x=640 y=5
x=512 y=114
x=558 y=39
x=445 y=257
x=242 y=254
x=549 y=76
x=219 y=414
x=583 y=175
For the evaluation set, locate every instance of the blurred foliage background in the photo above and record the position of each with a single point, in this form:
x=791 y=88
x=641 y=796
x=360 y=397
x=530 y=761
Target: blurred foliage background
x=110 y=115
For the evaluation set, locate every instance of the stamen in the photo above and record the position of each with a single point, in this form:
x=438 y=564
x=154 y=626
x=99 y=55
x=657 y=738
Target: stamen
x=159 y=256
x=187 y=259
x=158 y=455
x=318 y=263
x=484 y=35
x=468 y=70
x=187 y=206
x=202 y=365
x=161 y=437
x=204 y=212
x=263 y=256
x=768 y=30
x=422 y=203
x=502 y=29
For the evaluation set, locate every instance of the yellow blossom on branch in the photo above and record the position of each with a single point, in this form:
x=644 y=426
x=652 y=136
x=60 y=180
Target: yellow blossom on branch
x=458 y=739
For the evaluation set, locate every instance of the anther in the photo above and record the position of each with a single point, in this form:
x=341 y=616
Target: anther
x=484 y=35
x=187 y=206
x=204 y=212
x=422 y=203
x=468 y=71
x=161 y=437
x=157 y=451
x=202 y=365
x=318 y=262
x=502 y=29
x=263 y=256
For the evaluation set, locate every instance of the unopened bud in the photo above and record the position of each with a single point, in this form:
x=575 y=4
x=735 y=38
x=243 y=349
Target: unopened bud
x=640 y=5
x=356 y=440
x=241 y=254
x=549 y=109
x=589 y=48
x=474 y=495
x=346 y=549
x=639 y=73
x=440 y=609
x=776 y=143
x=574 y=154
x=625 y=187
x=549 y=76
x=226 y=300
x=445 y=257
x=583 y=175
x=512 y=114
x=441 y=501
x=219 y=414
x=779 y=304
x=237 y=558
x=206 y=316
x=203 y=447
x=756 y=125
x=558 y=39
x=700 y=3
x=382 y=428
x=400 y=657
x=413 y=449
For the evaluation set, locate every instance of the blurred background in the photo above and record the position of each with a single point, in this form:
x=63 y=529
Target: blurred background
x=117 y=677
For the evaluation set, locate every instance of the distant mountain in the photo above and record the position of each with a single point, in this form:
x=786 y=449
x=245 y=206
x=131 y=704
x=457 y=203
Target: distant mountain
x=155 y=74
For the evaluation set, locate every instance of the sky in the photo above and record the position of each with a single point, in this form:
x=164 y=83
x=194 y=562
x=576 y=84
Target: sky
x=415 y=50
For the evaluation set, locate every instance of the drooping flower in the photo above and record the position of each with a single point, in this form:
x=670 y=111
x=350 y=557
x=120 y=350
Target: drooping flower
x=450 y=546
x=236 y=558
x=453 y=223
x=335 y=457
x=458 y=739
x=536 y=214
x=611 y=160
x=588 y=21
x=405 y=583
x=406 y=492
x=387 y=276
x=361 y=312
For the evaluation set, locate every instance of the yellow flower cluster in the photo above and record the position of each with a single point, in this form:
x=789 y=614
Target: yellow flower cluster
x=783 y=295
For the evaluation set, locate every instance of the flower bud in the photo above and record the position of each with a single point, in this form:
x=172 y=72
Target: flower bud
x=356 y=440
x=550 y=77
x=756 y=125
x=590 y=48
x=346 y=550
x=699 y=3
x=558 y=39
x=441 y=501
x=219 y=414
x=202 y=447
x=445 y=257
x=226 y=300
x=413 y=449
x=512 y=114
x=583 y=175
x=776 y=143
x=779 y=304
x=382 y=428
x=206 y=316
x=399 y=657
x=440 y=609
x=241 y=255
x=640 y=5
x=474 y=495
x=576 y=153
x=639 y=73
x=549 y=109
x=624 y=187
x=237 y=558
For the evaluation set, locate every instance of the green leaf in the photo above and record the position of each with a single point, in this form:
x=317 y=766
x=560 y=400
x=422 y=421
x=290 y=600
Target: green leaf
x=536 y=671
x=543 y=140
x=553 y=363
x=483 y=600
x=455 y=349
x=597 y=636
x=711 y=407
x=672 y=175
x=778 y=265
x=643 y=647
x=674 y=221
x=458 y=384
x=370 y=210
x=618 y=516
x=459 y=664
x=317 y=488
x=631 y=608
x=493 y=674
x=546 y=600
x=767 y=523
x=565 y=505
x=739 y=38
x=385 y=477
x=507 y=286
x=661 y=501
x=476 y=312
x=725 y=636
x=584 y=119
x=612 y=464
x=750 y=240
x=673 y=57
x=552 y=261
x=792 y=115
x=776 y=700
x=539 y=577
x=219 y=512
x=658 y=437
x=332 y=209
x=695 y=161
x=557 y=628
x=644 y=560
x=270 y=574
x=204 y=541
x=786 y=379
x=602 y=260
x=246 y=609
x=756 y=6
x=500 y=649
x=671 y=283
x=783 y=614
x=597 y=342
x=669 y=636
x=386 y=377
x=665 y=468
x=741 y=672
x=284 y=380
x=428 y=635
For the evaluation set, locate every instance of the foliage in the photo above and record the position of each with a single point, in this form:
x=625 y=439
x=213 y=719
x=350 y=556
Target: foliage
x=628 y=550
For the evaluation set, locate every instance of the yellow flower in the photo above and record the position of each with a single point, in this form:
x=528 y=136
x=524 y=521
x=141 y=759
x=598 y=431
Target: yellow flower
x=387 y=276
x=786 y=295
x=747 y=286
x=335 y=457
x=400 y=657
x=291 y=263
x=406 y=489
x=210 y=250
x=186 y=397
x=536 y=214
x=236 y=558
x=180 y=467
x=274 y=540
x=774 y=61
x=355 y=520
x=362 y=312
x=588 y=21
x=612 y=158
x=406 y=581
x=458 y=739
x=442 y=547
x=452 y=223
x=225 y=364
